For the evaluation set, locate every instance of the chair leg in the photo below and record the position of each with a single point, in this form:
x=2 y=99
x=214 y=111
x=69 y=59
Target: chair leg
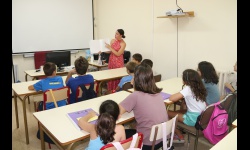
x=196 y=140
x=49 y=145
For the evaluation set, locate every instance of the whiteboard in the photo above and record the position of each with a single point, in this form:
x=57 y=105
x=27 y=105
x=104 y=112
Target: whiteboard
x=42 y=25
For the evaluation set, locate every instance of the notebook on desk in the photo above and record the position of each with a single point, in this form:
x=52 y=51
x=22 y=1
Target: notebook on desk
x=76 y=115
x=165 y=95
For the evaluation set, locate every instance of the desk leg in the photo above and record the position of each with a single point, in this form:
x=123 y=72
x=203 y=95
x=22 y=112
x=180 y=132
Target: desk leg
x=26 y=77
x=100 y=88
x=42 y=137
x=25 y=119
x=16 y=110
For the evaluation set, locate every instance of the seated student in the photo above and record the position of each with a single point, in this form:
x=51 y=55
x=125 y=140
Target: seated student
x=232 y=86
x=105 y=130
x=52 y=81
x=130 y=66
x=210 y=80
x=137 y=58
x=147 y=104
x=150 y=63
x=194 y=94
x=81 y=67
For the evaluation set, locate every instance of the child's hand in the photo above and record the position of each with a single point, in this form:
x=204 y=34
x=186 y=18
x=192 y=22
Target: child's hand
x=91 y=113
x=228 y=85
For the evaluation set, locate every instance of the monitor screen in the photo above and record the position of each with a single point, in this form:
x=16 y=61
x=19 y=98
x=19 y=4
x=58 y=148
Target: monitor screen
x=60 y=58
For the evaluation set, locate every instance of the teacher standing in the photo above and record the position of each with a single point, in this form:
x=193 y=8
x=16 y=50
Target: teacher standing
x=116 y=47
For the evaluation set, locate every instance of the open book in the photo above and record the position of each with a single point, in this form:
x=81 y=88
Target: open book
x=75 y=116
x=98 y=45
x=165 y=95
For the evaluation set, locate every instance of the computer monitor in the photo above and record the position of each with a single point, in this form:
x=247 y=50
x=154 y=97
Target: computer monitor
x=60 y=58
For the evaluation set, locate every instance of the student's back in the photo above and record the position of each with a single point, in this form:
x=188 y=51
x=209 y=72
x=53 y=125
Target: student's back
x=210 y=80
x=105 y=130
x=81 y=66
x=50 y=82
x=146 y=102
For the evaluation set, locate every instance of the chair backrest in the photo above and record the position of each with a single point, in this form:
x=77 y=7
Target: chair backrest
x=54 y=95
x=79 y=91
x=161 y=131
x=39 y=58
x=128 y=143
x=229 y=103
x=157 y=78
x=127 y=86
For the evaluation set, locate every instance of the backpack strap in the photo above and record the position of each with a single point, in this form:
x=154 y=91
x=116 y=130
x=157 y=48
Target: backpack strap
x=118 y=145
x=135 y=136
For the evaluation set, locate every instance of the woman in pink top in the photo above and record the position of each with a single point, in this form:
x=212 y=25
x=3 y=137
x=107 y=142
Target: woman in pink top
x=116 y=47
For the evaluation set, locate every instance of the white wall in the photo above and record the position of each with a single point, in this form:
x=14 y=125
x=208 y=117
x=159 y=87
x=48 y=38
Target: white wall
x=211 y=35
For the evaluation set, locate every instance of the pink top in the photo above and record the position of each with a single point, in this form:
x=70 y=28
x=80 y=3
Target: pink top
x=116 y=61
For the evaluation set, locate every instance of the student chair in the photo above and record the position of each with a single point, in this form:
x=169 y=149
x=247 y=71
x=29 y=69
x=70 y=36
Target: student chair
x=79 y=91
x=199 y=137
x=133 y=142
x=54 y=95
x=162 y=131
x=127 y=86
x=157 y=78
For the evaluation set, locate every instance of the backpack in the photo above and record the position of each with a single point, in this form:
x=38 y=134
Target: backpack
x=232 y=111
x=217 y=127
x=87 y=93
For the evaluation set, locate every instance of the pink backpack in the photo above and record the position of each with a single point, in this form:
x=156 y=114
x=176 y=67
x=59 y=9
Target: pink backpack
x=217 y=127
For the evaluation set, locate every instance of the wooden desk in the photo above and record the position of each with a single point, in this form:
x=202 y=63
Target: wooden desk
x=229 y=142
x=106 y=75
x=61 y=130
x=171 y=86
x=95 y=64
x=35 y=75
x=21 y=90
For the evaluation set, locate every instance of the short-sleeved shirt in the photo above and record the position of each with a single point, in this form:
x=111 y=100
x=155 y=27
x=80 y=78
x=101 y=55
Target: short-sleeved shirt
x=124 y=80
x=213 y=94
x=95 y=144
x=149 y=110
x=192 y=104
x=50 y=83
x=73 y=83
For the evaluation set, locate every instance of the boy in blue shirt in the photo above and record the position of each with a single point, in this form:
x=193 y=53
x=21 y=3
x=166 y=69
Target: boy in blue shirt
x=130 y=66
x=50 y=82
x=81 y=67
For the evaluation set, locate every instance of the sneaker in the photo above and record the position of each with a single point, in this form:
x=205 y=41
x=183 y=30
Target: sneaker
x=178 y=140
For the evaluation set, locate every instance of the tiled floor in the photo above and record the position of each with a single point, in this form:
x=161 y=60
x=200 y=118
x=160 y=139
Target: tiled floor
x=18 y=134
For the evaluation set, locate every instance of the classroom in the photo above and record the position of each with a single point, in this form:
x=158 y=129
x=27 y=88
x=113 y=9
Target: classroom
x=173 y=44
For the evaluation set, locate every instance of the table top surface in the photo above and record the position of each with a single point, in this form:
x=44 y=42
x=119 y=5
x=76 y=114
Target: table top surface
x=229 y=142
x=21 y=88
x=57 y=122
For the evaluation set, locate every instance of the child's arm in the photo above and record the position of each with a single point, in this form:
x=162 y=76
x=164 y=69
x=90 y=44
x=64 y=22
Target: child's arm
x=31 y=87
x=84 y=124
x=117 y=88
x=176 y=97
x=71 y=72
x=230 y=87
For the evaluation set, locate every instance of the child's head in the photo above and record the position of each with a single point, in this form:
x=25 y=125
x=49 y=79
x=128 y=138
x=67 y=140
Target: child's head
x=148 y=62
x=137 y=58
x=108 y=114
x=235 y=67
x=130 y=66
x=49 y=68
x=144 y=80
x=207 y=72
x=191 y=78
x=81 y=65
